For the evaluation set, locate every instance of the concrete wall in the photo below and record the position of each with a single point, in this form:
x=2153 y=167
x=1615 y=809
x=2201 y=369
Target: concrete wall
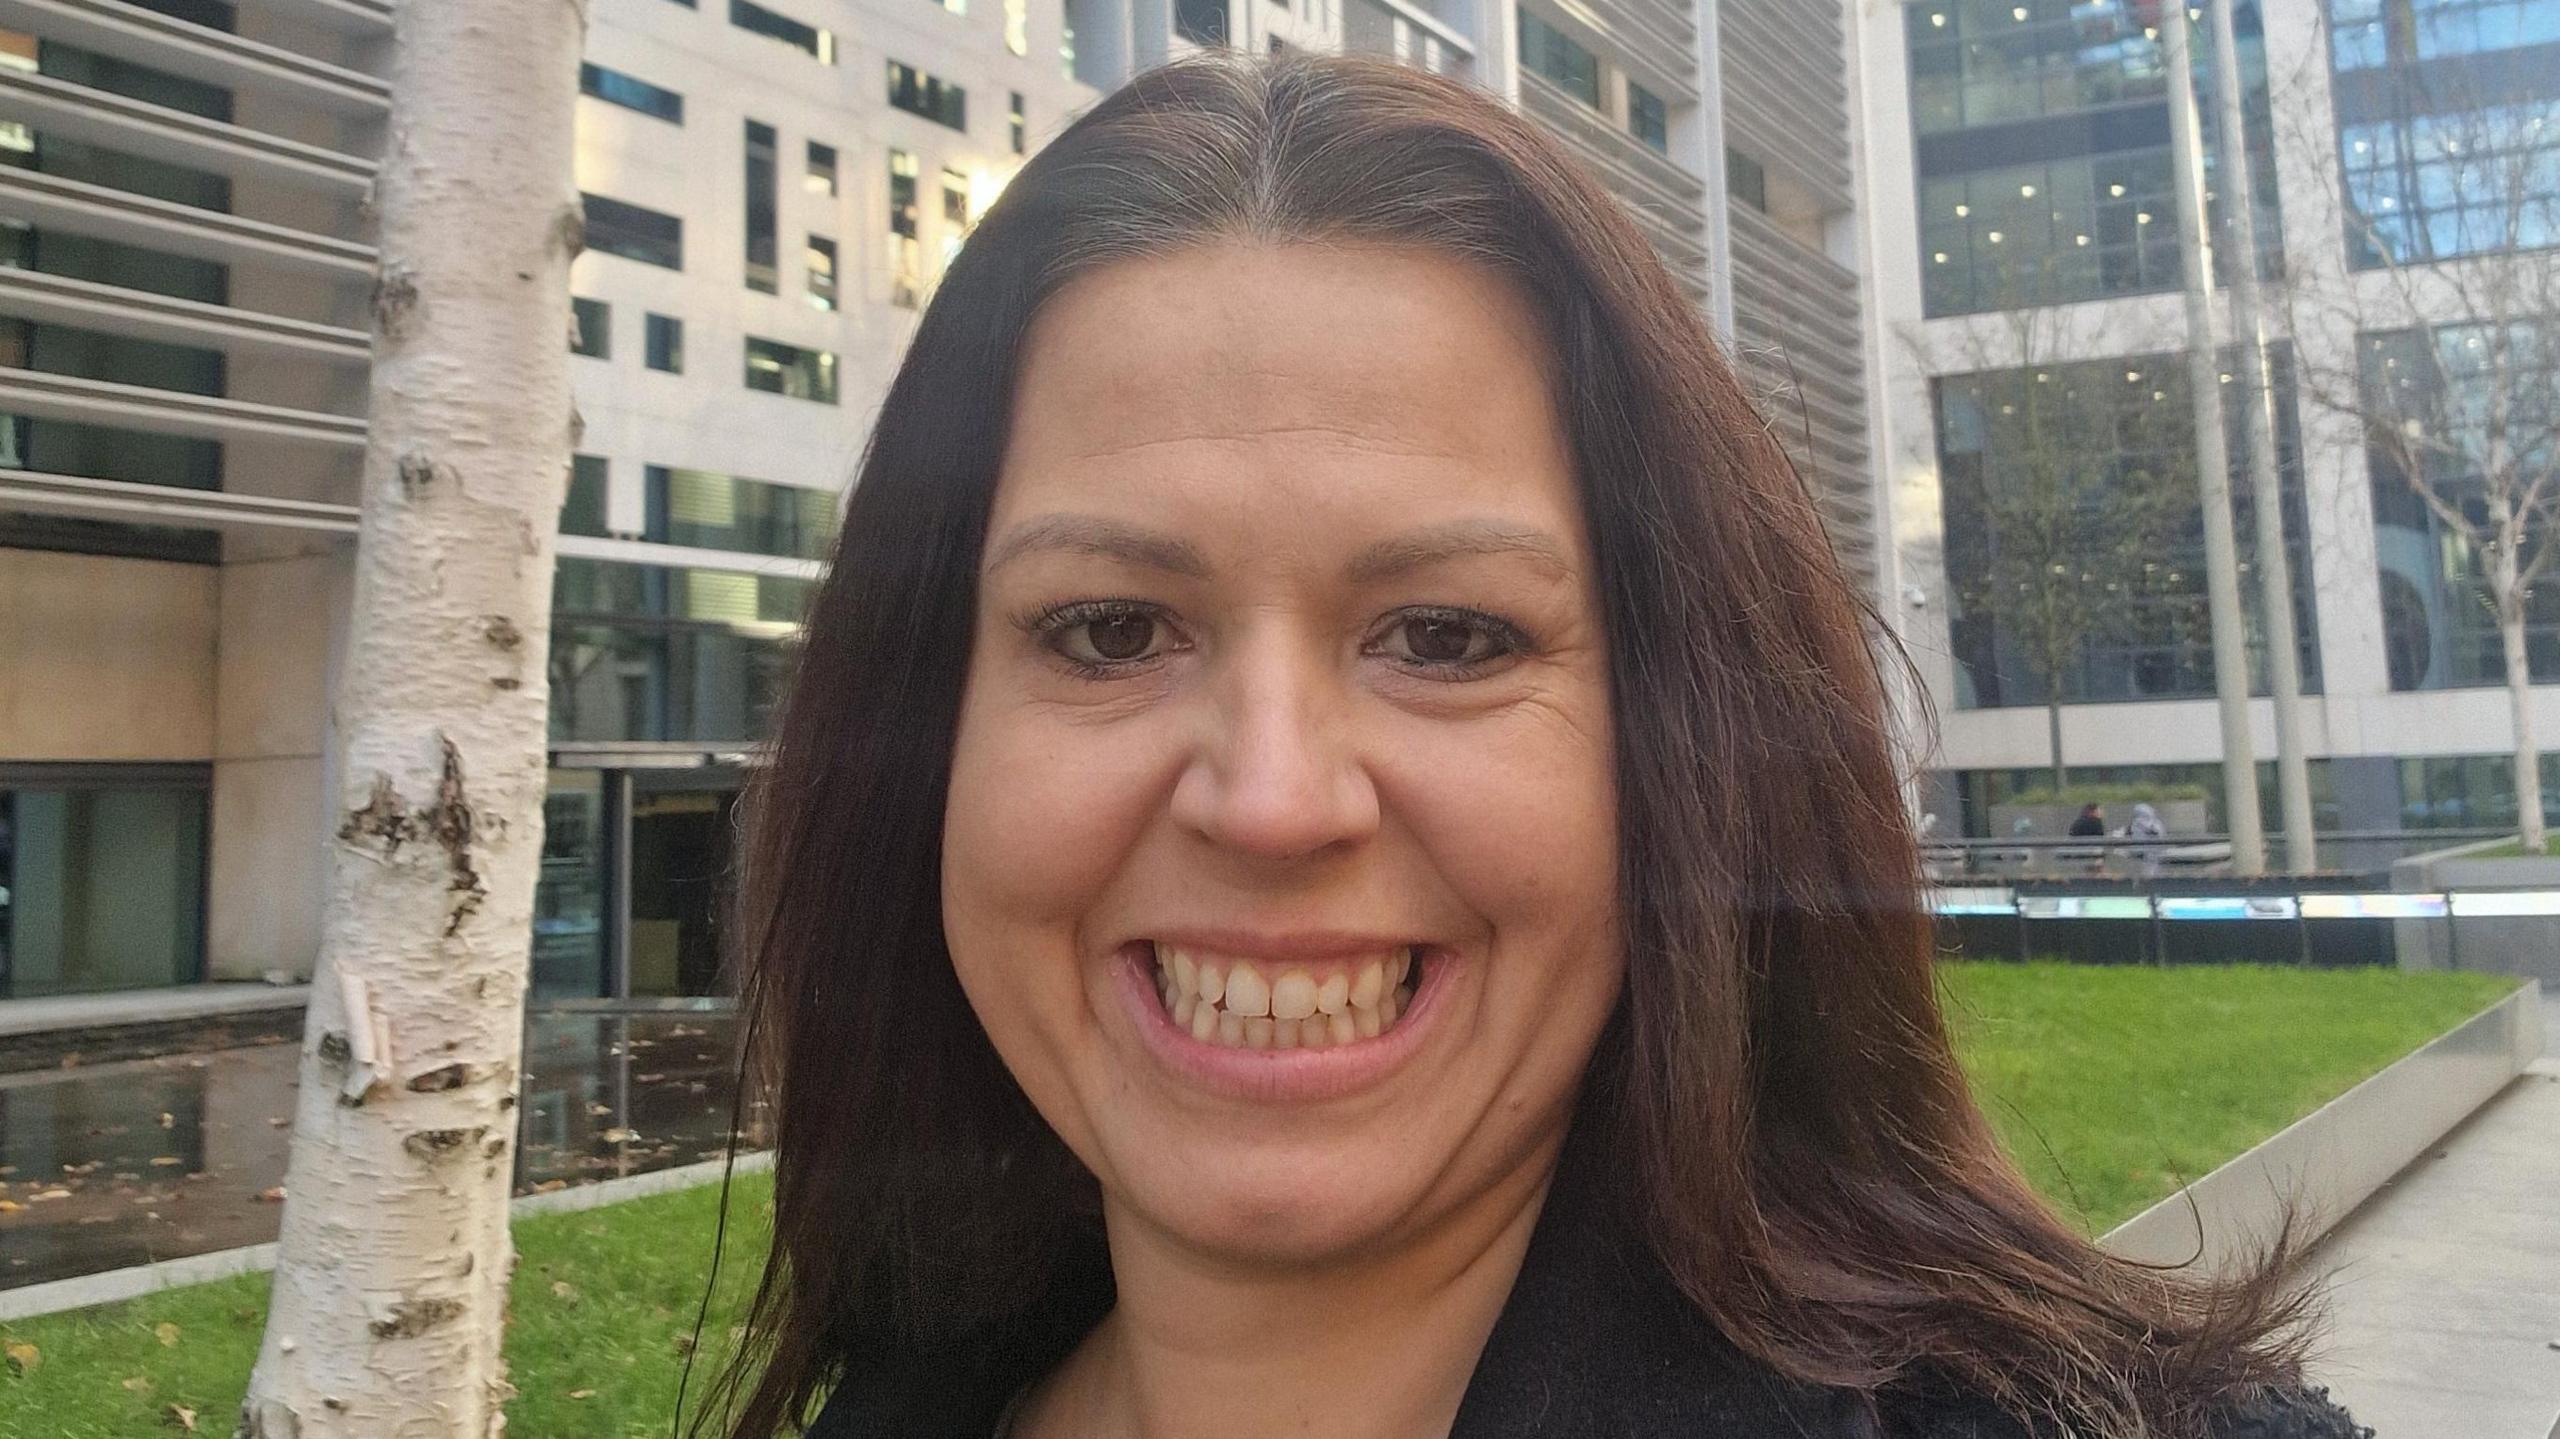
x=283 y=633
x=105 y=659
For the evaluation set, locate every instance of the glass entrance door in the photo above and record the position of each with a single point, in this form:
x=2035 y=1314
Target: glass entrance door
x=682 y=853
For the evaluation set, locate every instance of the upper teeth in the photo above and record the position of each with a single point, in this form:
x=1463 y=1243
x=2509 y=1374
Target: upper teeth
x=1224 y=1000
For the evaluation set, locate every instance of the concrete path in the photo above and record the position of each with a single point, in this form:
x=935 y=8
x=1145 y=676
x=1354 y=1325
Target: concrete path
x=2445 y=1286
x=146 y=1006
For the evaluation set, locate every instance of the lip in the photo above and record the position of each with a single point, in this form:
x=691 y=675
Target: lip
x=1276 y=1076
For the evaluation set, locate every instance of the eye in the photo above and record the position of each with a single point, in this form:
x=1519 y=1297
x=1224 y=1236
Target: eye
x=1101 y=636
x=1449 y=640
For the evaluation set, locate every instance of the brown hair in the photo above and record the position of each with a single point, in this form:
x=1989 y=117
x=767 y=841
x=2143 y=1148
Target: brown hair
x=1802 y=1154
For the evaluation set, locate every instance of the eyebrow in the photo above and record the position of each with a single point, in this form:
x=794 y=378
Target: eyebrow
x=1386 y=559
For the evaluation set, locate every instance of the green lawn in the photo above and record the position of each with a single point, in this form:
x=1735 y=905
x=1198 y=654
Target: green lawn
x=2514 y=848
x=2112 y=1085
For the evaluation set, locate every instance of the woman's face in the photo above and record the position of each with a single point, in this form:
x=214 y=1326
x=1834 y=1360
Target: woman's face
x=1280 y=860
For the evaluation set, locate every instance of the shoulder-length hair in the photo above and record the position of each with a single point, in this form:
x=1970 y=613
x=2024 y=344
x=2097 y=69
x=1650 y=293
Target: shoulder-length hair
x=1797 y=1144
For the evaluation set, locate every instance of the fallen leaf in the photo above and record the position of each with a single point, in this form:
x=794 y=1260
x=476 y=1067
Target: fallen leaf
x=41 y=1195
x=166 y=1160
x=22 y=1356
x=137 y=1385
x=561 y=1290
x=582 y=1393
x=272 y=1196
x=167 y=1334
x=168 y=1120
x=183 y=1417
x=10 y=1206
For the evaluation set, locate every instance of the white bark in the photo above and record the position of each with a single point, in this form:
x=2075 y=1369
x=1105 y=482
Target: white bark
x=391 y=1283
x=2507 y=587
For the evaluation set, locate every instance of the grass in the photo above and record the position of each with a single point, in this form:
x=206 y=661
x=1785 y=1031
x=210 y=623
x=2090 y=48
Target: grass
x=601 y=1311
x=2112 y=1085
x=2514 y=848
x=2115 y=1085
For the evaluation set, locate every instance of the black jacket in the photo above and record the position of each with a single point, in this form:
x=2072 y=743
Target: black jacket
x=1594 y=1343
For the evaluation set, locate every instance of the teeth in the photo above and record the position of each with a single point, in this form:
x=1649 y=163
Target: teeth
x=1229 y=1002
x=1293 y=996
x=1247 y=994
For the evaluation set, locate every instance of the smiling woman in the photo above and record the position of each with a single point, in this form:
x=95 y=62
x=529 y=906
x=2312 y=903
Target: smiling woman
x=1334 y=864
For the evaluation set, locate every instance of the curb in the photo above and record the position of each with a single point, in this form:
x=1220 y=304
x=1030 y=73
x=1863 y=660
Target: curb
x=2319 y=1168
x=114 y=1285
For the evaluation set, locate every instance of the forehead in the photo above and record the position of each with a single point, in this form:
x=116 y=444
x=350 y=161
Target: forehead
x=1297 y=372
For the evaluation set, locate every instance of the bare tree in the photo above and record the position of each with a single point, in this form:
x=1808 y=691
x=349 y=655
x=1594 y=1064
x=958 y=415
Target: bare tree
x=391 y=1279
x=2068 y=546
x=2444 y=346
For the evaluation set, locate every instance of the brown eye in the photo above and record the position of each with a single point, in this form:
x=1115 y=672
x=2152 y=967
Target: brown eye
x=1120 y=637
x=1443 y=641
x=1451 y=641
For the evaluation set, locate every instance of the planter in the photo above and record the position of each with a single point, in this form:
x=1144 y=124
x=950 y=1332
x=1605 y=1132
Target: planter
x=2520 y=944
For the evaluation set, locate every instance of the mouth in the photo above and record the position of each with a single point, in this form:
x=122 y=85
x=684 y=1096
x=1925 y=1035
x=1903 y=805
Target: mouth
x=1232 y=1002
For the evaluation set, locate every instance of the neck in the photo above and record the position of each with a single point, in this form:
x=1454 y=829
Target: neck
x=1376 y=1347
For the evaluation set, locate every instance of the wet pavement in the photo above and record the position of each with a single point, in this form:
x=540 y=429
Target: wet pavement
x=109 y=1165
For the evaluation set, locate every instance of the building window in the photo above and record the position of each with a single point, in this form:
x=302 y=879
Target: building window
x=821 y=176
x=2074 y=541
x=102 y=883
x=1648 y=119
x=1746 y=180
x=649 y=652
x=582 y=510
x=1017 y=26
x=1021 y=126
x=590 y=328
x=955 y=212
x=818 y=43
x=918 y=93
x=615 y=88
x=722 y=512
x=2427 y=401
x=822 y=272
x=662 y=337
x=762 y=203
x=1549 y=53
x=2042 y=145
x=906 y=248
x=1202 y=22
x=615 y=227
x=790 y=370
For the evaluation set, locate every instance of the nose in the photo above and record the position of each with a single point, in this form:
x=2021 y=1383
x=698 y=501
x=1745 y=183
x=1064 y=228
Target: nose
x=1276 y=771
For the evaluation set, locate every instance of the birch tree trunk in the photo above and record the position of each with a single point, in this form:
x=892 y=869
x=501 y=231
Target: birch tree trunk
x=2506 y=579
x=391 y=1280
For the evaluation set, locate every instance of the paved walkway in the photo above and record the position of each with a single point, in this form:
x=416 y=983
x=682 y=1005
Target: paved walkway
x=2445 y=1288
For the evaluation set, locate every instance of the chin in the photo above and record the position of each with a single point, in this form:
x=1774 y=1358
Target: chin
x=1278 y=1206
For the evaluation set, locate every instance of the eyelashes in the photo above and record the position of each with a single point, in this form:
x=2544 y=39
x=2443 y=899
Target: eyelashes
x=1102 y=639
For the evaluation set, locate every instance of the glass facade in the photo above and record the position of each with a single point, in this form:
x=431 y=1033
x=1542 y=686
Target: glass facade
x=101 y=877
x=2437 y=399
x=2042 y=134
x=582 y=509
x=2448 y=126
x=2074 y=541
x=650 y=653
x=723 y=512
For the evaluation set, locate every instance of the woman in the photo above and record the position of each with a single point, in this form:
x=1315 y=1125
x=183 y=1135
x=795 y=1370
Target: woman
x=1334 y=864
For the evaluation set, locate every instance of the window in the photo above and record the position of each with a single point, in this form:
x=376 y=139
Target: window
x=722 y=512
x=1548 y=53
x=820 y=44
x=105 y=876
x=618 y=228
x=822 y=272
x=1202 y=22
x=789 y=370
x=591 y=329
x=821 y=176
x=906 y=252
x=918 y=93
x=648 y=652
x=1017 y=26
x=615 y=88
x=2068 y=490
x=1021 y=136
x=582 y=510
x=1648 y=119
x=762 y=202
x=1745 y=180
x=955 y=212
x=662 y=337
